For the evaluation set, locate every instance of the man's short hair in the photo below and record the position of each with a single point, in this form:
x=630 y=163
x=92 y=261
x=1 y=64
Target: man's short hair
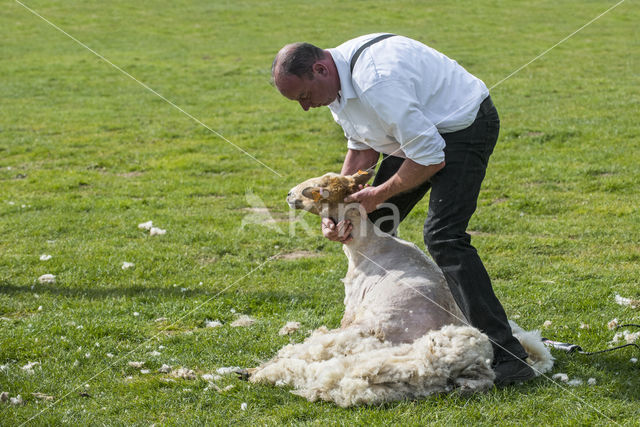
x=298 y=60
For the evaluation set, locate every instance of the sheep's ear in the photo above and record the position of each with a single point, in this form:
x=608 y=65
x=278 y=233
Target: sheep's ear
x=361 y=177
x=316 y=193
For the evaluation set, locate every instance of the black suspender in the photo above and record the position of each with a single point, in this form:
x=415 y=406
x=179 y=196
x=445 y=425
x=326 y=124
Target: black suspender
x=356 y=55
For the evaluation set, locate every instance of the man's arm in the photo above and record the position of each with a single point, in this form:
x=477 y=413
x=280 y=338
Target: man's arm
x=410 y=175
x=356 y=160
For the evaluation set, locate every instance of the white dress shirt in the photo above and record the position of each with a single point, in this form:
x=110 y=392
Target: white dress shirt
x=402 y=96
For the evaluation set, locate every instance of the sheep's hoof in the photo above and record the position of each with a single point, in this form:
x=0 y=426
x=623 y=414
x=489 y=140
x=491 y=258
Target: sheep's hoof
x=243 y=374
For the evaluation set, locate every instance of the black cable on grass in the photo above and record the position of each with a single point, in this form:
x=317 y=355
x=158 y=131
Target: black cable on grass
x=574 y=348
x=627 y=324
x=590 y=353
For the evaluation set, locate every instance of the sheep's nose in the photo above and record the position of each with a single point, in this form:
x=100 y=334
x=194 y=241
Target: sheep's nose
x=289 y=194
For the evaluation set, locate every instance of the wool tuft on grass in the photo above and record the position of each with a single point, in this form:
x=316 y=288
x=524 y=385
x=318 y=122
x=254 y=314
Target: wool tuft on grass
x=628 y=337
x=627 y=301
x=243 y=321
x=47 y=279
x=146 y=225
x=561 y=377
x=155 y=231
x=210 y=377
x=42 y=396
x=289 y=328
x=226 y=370
x=28 y=368
x=184 y=373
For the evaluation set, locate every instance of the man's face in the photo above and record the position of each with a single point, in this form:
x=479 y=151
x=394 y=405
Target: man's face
x=309 y=93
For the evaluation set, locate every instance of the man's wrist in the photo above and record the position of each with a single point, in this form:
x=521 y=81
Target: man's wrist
x=384 y=191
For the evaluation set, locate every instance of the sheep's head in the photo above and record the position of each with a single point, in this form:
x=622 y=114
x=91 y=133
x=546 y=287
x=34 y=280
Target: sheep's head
x=325 y=192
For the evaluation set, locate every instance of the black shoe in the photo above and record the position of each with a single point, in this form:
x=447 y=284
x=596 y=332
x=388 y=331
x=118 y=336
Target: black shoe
x=512 y=371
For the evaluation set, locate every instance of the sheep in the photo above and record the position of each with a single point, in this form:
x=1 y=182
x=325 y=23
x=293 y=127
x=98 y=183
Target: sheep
x=402 y=336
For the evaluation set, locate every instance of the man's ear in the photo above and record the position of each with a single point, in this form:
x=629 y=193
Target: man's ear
x=320 y=68
x=316 y=193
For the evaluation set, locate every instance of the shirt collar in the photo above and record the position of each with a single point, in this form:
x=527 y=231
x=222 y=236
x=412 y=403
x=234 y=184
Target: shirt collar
x=346 y=87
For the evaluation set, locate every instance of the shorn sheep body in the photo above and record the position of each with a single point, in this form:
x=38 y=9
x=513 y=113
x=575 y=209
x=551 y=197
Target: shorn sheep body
x=402 y=335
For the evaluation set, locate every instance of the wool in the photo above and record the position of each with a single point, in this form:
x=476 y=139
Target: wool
x=347 y=367
x=402 y=336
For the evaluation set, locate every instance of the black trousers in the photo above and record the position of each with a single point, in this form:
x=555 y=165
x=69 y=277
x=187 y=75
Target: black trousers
x=453 y=199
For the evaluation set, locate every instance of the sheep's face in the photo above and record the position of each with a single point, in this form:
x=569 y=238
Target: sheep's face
x=326 y=191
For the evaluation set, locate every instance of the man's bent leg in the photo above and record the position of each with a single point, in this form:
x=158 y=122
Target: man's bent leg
x=452 y=202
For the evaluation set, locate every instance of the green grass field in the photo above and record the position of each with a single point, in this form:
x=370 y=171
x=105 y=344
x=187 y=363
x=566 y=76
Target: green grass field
x=87 y=153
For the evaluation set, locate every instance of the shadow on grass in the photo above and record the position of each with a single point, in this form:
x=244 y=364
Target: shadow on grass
x=100 y=291
x=254 y=300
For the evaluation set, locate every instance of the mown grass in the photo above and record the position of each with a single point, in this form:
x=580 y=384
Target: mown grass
x=86 y=154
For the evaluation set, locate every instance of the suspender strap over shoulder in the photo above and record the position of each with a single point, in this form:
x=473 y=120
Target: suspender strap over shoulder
x=356 y=55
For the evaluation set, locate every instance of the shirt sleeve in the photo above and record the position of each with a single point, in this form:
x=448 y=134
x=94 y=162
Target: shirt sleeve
x=396 y=106
x=352 y=144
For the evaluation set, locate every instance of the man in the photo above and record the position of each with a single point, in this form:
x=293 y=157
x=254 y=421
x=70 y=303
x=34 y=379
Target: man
x=436 y=127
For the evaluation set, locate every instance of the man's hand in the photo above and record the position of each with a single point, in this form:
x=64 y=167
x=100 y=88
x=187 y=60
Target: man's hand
x=338 y=233
x=368 y=197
